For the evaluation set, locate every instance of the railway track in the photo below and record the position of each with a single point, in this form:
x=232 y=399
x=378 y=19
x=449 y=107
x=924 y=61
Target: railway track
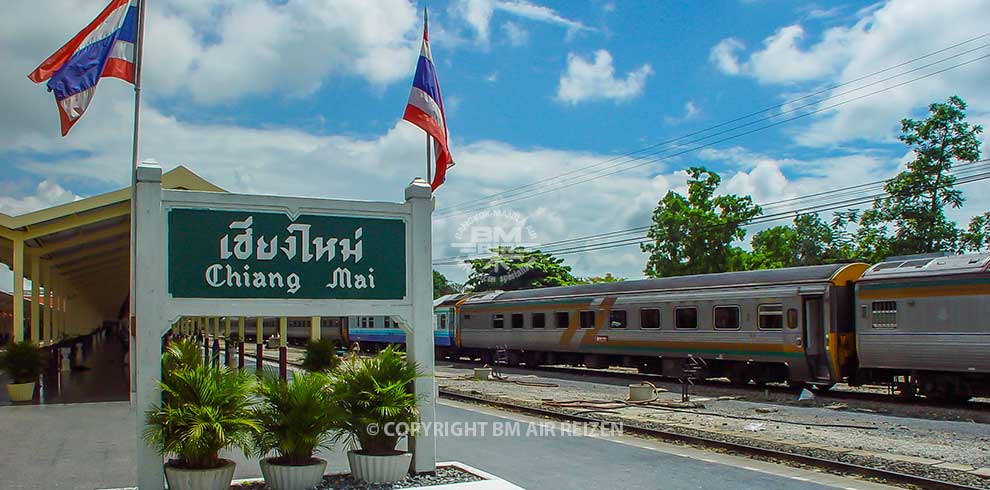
x=834 y=394
x=787 y=457
x=835 y=466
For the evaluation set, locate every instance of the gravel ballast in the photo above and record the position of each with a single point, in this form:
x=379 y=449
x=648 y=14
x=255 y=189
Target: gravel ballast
x=445 y=475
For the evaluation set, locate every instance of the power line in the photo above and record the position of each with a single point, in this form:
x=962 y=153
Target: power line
x=784 y=104
x=688 y=150
x=971 y=173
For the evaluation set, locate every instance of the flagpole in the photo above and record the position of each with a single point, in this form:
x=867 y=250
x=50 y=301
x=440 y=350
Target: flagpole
x=429 y=168
x=132 y=320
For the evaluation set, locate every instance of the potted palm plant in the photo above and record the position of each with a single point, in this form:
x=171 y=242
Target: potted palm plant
x=21 y=361
x=379 y=406
x=320 y=355
x=205 y=409
x=296 y=419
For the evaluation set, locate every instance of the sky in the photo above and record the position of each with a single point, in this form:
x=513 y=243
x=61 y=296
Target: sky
x=305 y=97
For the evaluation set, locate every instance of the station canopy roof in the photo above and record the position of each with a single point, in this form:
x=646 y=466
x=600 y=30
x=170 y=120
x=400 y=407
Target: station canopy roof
x=87 y=242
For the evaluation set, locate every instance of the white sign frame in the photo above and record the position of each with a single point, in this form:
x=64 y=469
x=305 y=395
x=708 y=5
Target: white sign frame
x=156 y=310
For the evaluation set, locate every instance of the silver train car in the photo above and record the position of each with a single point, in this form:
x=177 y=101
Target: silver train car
x=761 y=326
x=924 y=324
x=298 y=329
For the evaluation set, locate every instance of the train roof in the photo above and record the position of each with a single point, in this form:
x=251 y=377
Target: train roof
x=449 y=299
x=929 y=266
x=790 y=275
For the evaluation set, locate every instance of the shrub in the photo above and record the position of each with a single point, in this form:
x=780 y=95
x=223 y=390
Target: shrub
x=320 y=355
x=22 y=361
x=205 y=410
x=375 y=391
x=296 y=418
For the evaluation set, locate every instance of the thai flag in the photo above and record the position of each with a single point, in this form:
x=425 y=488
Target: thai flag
x=105 y=48
x=425 y=109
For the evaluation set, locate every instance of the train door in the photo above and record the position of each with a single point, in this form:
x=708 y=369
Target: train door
x=814 y=338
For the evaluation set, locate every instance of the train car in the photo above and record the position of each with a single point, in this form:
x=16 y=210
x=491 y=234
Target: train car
x=924 y=324
x=373 y=333
x=298 y=329
x=445 y=330
x=793 y=324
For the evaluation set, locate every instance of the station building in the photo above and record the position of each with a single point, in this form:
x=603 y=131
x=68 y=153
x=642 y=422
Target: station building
x=76 y=256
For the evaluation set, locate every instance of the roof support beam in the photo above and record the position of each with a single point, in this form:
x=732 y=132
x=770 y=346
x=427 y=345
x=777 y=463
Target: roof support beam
x=121 y=229
x=75 y=221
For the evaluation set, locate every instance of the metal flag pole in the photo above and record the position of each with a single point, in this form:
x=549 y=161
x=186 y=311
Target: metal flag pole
x=429 y=168
x=138 y=55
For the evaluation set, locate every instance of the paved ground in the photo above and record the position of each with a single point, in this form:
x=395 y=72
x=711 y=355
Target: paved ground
x=102 y=376
x=87 y=446
x=90 y=445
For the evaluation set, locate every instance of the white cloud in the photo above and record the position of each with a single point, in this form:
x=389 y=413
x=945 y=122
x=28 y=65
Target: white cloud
x=782 y=60
x=875 y=38
x=516 y=35
x=723 y=55
x=221 y=50
x=47 y=193
x=691 y=111
x=478 y=15
x=540 y=13
x=492 y=77
x=586 y=80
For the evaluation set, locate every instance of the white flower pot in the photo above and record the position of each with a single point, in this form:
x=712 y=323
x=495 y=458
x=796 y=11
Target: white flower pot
x=21 y=392
x=212 y=479
x=379 y=469
x=281 y=477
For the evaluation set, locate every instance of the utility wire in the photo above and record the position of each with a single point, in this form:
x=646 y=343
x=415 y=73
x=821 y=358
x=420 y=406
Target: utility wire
x=761 y=128
x=784 y=104
x=740 y=118
x=974 y=172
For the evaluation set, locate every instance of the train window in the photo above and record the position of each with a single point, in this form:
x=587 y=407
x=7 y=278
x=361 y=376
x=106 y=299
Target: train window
x=617 y=319
x=539 y=320
x=443 y=321
x=517 y=320
x=771 y=316
x=388 y=322
x=726 y=317
x=498 y=320
x=686 y=317
x=562 y=319
x=587 y=319
x=884 y=314
x=792 y=318
x=649 y=318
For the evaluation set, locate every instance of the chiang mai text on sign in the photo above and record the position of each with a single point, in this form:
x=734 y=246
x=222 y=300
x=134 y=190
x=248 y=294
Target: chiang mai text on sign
x=249 y=254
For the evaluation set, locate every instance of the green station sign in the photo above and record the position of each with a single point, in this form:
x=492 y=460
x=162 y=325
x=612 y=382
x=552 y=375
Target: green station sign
x=251 y=254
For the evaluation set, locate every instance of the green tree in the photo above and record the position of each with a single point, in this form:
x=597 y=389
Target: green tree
x=977 y=237
x=608 y=277
x=514 y=268
x=918 y=196
x=442 y=286
x=808 y=241
x=694 y=234
x=774 y=248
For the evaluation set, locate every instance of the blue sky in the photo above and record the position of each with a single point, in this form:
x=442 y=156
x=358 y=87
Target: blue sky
x=304 y=97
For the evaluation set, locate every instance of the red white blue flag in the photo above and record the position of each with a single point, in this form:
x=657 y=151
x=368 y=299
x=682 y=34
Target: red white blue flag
x=105 y=48
x=425 y=109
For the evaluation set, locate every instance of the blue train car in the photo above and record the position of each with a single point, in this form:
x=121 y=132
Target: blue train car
x=373 y=333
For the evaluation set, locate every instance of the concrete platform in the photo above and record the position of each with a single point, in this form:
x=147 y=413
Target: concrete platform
x=90 y=445
x=102 y=376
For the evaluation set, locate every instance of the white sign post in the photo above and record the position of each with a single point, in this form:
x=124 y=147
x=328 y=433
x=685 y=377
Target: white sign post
x=168 y=288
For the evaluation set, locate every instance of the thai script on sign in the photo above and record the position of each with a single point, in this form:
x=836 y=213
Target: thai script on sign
x=297 y=242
